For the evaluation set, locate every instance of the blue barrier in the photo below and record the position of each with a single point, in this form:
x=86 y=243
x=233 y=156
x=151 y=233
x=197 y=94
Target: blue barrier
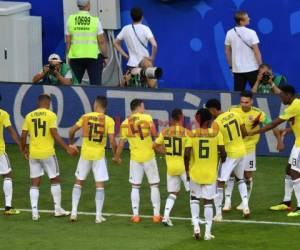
x=71 y=102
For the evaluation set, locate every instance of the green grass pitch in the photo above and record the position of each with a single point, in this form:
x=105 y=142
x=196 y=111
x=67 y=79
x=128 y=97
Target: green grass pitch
x=20 y=232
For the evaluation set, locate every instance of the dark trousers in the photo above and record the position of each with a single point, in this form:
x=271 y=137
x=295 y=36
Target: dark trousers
x=94 y=69
x=241 y=79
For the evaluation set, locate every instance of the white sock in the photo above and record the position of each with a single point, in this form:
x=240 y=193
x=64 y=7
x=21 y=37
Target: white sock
x=208 y=214
x=99 y=199
x=8 y=191
x=195 y=212
x=169 y=205
x=135 y=200
x=249 y=184
x=296 y=186
x=76 y=193
x=34 y=198
x=155 y=199
x=288 y=188
x=229 y=188
x=219 y=201
x=243 y=193
x=56 y=194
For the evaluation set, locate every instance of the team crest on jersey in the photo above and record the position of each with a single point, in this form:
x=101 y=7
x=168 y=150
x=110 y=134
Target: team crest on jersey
x=251 y=118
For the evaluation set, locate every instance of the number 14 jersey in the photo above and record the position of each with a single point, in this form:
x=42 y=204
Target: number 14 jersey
x=38 y=124
x=95 y=129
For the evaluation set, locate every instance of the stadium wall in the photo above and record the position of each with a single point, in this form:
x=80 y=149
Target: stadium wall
x=191 y=36
x=71 y=102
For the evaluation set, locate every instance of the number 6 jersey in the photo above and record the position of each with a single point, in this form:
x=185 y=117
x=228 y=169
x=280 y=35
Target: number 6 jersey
x=38 y=124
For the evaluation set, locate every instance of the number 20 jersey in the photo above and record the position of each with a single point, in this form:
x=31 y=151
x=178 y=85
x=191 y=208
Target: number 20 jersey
x=95 y=129
x=229 y=124
x=38 y=124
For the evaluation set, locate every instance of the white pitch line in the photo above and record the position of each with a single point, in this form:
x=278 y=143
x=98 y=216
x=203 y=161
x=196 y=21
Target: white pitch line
x=178 y=218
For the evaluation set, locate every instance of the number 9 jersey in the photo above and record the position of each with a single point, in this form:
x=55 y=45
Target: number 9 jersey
x=95 y=128
x=38 y=124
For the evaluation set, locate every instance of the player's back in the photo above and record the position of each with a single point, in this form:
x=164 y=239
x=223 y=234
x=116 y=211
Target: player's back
x=204 y=163
x=95 y=129
x=137 y=130
x=38 y=124
x=229 y=124
x=175 y=140
x=4 y=122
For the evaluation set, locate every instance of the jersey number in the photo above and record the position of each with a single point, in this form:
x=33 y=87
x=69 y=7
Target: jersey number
x=94 y=131
x=227 y=126
x=38 y=124
x=176 y=144
x=203 y=150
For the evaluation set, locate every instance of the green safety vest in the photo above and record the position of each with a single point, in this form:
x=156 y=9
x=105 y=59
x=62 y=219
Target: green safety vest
x=83 y=29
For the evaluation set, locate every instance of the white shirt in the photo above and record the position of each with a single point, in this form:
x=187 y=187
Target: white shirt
x=243 y=59
x=135 y=49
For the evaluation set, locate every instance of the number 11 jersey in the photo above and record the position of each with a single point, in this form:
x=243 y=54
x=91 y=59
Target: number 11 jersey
x=95 y=129
x=38 y=124
x=229 y=124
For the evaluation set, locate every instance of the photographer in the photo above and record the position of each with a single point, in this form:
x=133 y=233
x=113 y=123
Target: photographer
x=56 y=72
x=136 y=37
x=266 y=82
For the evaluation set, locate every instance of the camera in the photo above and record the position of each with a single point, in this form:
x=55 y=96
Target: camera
x=148 y=73
x=266 y=78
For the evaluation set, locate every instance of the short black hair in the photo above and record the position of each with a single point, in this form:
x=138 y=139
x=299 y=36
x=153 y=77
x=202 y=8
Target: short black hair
x=101 y=100
x=44 y=97
x=239 y=16
x=288 y=89
x=203 y=115
x=135 y=103
x=136 y=14
x=246 y=93
x=265 y=65
x=213 y=103
x=176 y=114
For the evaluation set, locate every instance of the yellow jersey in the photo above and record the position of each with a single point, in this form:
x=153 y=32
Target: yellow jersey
x=249 y=118
x=4 y=123
x=229 y=125
x=95 y=129
x=137 y=130
x=38 y=124
x=292 y=114
x=204 y=160
x=175 y=139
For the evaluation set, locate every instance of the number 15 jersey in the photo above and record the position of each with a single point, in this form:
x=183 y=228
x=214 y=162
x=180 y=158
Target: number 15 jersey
x=229 y=124
x=95 y=129
x=38 y=124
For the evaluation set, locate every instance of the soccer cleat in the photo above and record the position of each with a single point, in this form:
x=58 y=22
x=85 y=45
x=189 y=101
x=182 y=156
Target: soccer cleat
x=100 y=219
x=156 y=218
x=295 y=213
x=136 y=219
x=281 y=207
x=218 y=218
x=240 y=207
x=209 y=237
x=11 y=211
x=246 y=213
x=73 y=218
x=35 y=217
x=167 y=222
x=61 y=213
x=227 y=205
x=197 y=235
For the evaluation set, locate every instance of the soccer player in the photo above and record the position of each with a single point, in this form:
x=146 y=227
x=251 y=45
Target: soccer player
x=138 y=129
x=41 y=127
x=291 y=114
x=251 y=117
x=173 y=141
x=232 y=130
x=96 y=127
x=202 y=163
x=5 y=167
